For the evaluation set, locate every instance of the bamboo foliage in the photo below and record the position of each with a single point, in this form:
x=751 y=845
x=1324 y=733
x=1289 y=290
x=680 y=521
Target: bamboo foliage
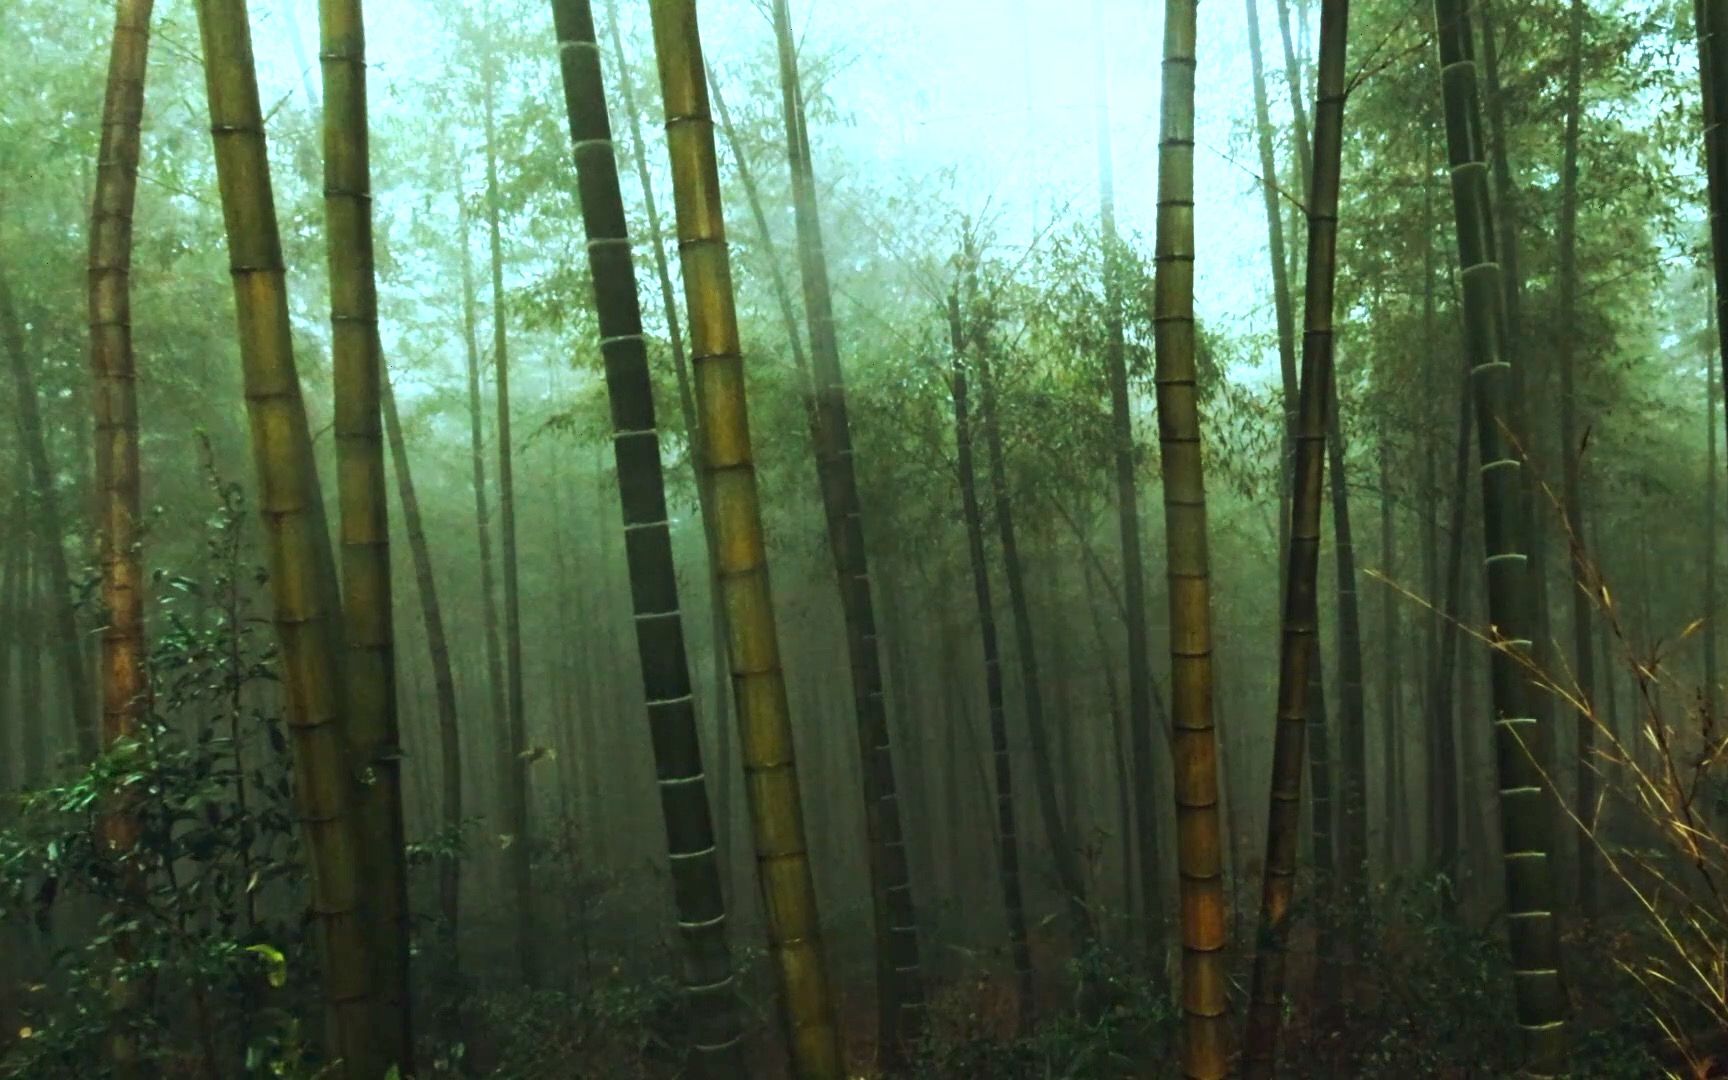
x=900 y=993
x=364 y=525
x=302 y=567
x=1525 y=814
x=1199 y=850
x=759 y=687
x=701 y=910
x=1301 y=605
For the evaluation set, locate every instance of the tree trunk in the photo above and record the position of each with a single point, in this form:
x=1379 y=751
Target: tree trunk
x=482 y=508
x=1205 y=1024
x=765 y=731
x=1442 y=709
x=125 y=687
x=1712 y=514
x=303 y=570
x=1062 y=849
x=50 y=530
x=1391 y=745
x=722 y=719
x=516 y=800
x=373 y=734
x=1527 y=379
x=900 y=992
x=1298 y=647
x=443 y=681
x=1007 y=832
x=125 y=684
x=1525 y=814
x=1145 y=831
x=710 y=993
x=1353 y=749
x=13 y=713
x=1583 y=651
x=1711 y=19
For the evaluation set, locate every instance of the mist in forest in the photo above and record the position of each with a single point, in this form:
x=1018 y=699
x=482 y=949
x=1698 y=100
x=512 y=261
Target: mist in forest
x=644 y=538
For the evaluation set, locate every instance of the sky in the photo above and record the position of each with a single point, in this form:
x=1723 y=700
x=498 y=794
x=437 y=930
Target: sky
x=1002 y=95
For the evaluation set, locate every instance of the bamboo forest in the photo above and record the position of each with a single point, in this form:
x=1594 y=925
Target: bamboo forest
x=922 y=539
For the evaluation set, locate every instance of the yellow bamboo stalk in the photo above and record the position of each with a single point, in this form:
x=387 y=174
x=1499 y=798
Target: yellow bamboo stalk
x=764 y=722
x=297 y=540
x=364 y=525
x=1204 y=918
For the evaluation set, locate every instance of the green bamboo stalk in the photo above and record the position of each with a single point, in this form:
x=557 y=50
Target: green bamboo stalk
x=443 y=680
x=1572 y=485
x=516 y=776
x=364 y=525
x=720 y=707
x=710 y=993
x=1711 y=20
x=125 y=686
x=1199 y=848
x=1007 y=828
x=1526 y=817
x=1149 y=857
x=765 y=730
x=50 y=533
x=302 y=567
x=899 y=982
x=1301 y=578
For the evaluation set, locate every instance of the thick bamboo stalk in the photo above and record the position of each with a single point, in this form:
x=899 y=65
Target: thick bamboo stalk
x=765 y=731
x=721 y=704
x=125 y=686
x=1526 y=816
x=302 y=567
x=364 y=525
x=1199 y=849
x=710 y=993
